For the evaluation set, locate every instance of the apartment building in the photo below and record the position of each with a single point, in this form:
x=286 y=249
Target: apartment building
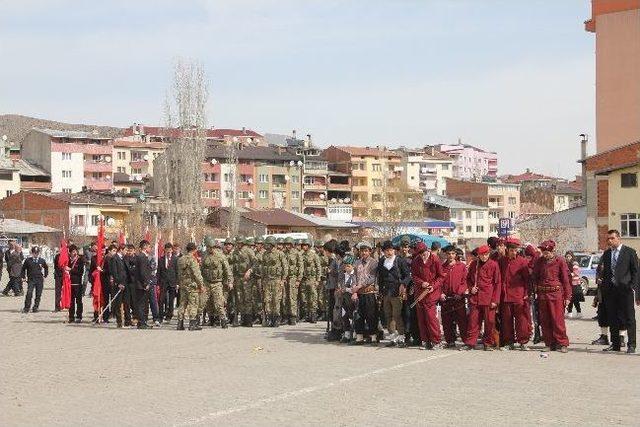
x=502 y=199
x=426 y=169
x=150 y=134
x=472 y=223
x=134 y=156
x=74 y=159
x=9 y=177
x=470 y=163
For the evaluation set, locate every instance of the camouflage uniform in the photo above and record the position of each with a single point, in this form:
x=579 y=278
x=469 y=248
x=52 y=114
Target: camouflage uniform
x=294 y=260
x=256 y=284
x=228 y=292
x=191 y=284
x=244 y=258
x=309 y=284
x=324 y=269
x=283 y=259
x=215 y=272
x=272 y=271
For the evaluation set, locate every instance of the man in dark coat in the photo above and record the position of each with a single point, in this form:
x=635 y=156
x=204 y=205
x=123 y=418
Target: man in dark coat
x=168 y=281
x=34 y=270
x=13 y=259
x=130 y=301
x=117 y=284
x=143 y=277
x=619 y=280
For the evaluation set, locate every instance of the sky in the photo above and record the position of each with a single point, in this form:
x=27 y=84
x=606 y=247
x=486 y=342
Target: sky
x=515 y=77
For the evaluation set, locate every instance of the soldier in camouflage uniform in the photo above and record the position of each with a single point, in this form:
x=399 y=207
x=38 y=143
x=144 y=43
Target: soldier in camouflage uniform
x=256 y=284
x=215 y=272
x=309 y=284
x=280 y=249
x=244 y=258
x=292 y=283
x=191 y=281
x=324 y=269
x=230 y=292
x=272 y=272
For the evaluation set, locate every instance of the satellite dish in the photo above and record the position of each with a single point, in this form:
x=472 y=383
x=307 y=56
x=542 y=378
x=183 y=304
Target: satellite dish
x=322 y=196
x=250 y=195
x=250 y=180
x=142 y=197
x=214 y=162
x=334 y=200
x=108 y=159
x=146 y=157
x=340 y=200
x=138 y=177
x=111 y=222
x=299 y=162
x=292 y=163
x=347 y=200
x=108 y=177
x=235 y=139
x=286 y=178
x=249 y=140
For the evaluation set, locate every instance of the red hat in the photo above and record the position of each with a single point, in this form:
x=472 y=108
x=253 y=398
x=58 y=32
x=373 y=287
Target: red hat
x=513 y=242
x=420 y=247
x=547 y=245
x=530 y=250
x=484 y=249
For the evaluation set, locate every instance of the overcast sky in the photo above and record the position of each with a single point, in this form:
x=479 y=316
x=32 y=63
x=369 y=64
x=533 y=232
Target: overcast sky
x=516 y=77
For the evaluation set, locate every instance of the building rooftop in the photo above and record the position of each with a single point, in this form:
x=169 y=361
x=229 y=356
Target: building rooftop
x=451 y=203
x=324 y=222
x=26 y=168
x=17 y=227
x=251 y=152
x=569 y=218
x=85 y=198
x=527 y=176
x=367 y=151
x=71 y=134
x=176 y=132
x=453 y=147
x=139 y=144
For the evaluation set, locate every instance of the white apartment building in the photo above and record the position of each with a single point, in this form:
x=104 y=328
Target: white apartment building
x=426 y=170
x=470 y=163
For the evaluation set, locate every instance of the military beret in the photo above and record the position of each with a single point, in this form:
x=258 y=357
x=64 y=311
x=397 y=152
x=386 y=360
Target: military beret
x=547 y=245
x=421 y=247
x=484 y=249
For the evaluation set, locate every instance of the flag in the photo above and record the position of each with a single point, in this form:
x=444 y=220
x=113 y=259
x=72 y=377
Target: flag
x=97 y=279
x=147 y=235
x=160 y=247
x=63 y=262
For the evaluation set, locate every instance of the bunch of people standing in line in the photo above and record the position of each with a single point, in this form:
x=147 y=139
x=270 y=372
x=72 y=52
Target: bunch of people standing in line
x=502 y=294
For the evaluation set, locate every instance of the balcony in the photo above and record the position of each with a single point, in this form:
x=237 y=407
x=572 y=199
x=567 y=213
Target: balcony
x=338 y=187
x=91 y=166
x=360 y=188
x=359 y=172
x=278 y=186
x=210 y=185
x=98 y=184
x=495 y=205
x=320 y=186
x=359 y=204
x=315 y=202
x=139 y=163
x=321 y=212
x=315 y=167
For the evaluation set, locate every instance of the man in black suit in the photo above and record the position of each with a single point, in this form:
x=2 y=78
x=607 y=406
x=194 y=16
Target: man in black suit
x=619 y=280
x=117 y=283
x=168 y=280
x=143 y=278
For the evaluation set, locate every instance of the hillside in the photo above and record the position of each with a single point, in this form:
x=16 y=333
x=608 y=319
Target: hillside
x=16 y=127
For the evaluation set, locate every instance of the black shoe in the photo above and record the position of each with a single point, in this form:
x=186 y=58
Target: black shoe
x=611 y=348
x=293 y=320
x=603 y=340
x=35 y=310
x=631 y=350
x=224 y=323
x=312 y=319
x=144 y=326
x=180 y=325
x=234 y=320
x=211 y=322
x=78 y=320
x=6 y=294
x=276 y=321
x=194 y=326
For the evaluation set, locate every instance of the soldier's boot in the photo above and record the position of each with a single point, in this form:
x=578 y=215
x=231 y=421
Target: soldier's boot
x=293 y=320
x=211 y=321
x=224 y=323
x=194 y=325
x=313 y=318
x=276 y=321
x=198 y=324
x=180 y=325
x=234 y=320
x=247 y=320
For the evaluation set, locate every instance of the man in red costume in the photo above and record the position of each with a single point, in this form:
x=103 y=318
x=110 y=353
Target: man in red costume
x=514 y=309
x=484 y=285
x=551 y=282
x=454 y=290
x=426 y=274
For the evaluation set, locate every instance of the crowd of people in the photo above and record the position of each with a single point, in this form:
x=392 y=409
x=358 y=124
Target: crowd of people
x=502 y=294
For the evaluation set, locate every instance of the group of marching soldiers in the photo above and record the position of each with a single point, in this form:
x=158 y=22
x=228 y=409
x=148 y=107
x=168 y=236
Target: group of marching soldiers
x=270 y=281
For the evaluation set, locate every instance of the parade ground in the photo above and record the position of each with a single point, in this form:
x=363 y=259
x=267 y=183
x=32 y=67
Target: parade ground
x=55 y=373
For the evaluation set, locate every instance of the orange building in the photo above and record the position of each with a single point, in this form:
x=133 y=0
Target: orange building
x=616 y=24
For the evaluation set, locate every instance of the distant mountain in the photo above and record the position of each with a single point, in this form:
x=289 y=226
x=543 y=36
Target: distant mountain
x=16 y=127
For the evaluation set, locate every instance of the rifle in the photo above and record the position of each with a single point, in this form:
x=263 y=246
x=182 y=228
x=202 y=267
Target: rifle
x=423 y=294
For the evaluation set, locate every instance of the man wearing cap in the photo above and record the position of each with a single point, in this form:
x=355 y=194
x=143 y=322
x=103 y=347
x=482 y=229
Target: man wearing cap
x=292 y=283
x=310 y=276
x=393 y=279
x=364 y=293
x=230 y=292
x=452 y=297
x=426 y=273
x=553 y=288
x=410 y=318
x=344 y=293
x=190 y=279
x=514 y=309
x=215 y=272
x=484 y=283
x=34 y=270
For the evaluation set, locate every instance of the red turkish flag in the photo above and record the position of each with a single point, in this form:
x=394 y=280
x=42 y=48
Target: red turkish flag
x=97 y=278
x=63 y=263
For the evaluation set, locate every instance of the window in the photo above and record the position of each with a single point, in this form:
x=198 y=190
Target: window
x=376 y=198
x=66 y=156
x=628 y=180
x=630 y=225
x=122 y=155
x=263 y=177
x=95 y=220
x=66 y=174
x=561 y=199
x=9 y=193
x=467 y=229
x=493 y=228
x=467 y=215
x=262 y=194
x=295 y=209
x=122 y=169
x=66 y=190
x=136 y=170
x=226 y=177
x=494 y=215
x=480 y=215
x=78 y=220
x=6 y=176
x=445 y=167
x=479 y=228
x=512 y=214
x=295 y=195
x=95 y=175
x=512 y=200
x=295 y=179
x=412 y=178
x=376 y=182
x=310 y=180
x=228 y=194
x=376 y=167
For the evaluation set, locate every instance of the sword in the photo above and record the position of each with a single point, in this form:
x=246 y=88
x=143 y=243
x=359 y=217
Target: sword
x=424 y=293
x=108 y=306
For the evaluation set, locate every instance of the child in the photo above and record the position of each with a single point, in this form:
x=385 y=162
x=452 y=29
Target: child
x=576 y=291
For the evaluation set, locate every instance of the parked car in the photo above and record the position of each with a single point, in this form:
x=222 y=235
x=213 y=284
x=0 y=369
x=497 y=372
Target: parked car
x=588 y=263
